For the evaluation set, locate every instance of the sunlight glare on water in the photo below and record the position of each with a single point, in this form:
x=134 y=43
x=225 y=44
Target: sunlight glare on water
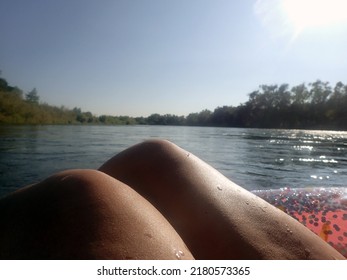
x=252 y=158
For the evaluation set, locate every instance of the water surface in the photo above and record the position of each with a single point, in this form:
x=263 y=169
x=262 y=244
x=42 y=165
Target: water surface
x=253 y=158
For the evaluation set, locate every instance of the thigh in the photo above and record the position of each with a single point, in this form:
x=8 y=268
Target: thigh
x=84 y=214
x=216 y=218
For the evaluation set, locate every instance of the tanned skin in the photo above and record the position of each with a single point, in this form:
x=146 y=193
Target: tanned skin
x=151 y=201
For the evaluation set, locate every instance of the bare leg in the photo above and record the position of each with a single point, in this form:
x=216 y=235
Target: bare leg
x=84 y=214
x=216 y=218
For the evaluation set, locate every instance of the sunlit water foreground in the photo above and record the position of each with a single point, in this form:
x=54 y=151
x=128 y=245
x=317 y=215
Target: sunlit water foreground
x=253 y=158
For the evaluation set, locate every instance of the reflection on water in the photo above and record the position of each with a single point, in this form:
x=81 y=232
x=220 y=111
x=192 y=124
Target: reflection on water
x=298 y=158
x=253 y=158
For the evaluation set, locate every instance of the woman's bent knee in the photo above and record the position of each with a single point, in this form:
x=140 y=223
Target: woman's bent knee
x=84 y=214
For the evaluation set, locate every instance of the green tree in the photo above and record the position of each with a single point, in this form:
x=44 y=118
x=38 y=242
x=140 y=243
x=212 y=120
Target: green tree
x=223 y=116
x=204 y=117
x=3 y=84
x=300 y=94
x=32 y=96
x=155 y=119
x=192 y=119
x=320 y=92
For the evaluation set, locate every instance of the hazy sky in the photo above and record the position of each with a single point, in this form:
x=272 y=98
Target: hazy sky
x=137 y=57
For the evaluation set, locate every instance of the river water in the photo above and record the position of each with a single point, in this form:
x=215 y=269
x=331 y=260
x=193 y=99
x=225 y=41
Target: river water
x=252 y=158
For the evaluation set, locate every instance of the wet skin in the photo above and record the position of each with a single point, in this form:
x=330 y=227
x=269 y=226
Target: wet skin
x=151 y=201
x=85 y=214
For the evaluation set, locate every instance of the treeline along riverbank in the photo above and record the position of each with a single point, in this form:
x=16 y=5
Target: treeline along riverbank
x=317 y=105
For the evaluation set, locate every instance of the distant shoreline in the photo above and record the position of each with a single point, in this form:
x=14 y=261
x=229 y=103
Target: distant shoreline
x=265 y=128
x=317 y=106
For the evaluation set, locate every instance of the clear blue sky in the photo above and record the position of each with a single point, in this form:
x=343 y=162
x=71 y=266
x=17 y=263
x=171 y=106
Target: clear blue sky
x=137 y=57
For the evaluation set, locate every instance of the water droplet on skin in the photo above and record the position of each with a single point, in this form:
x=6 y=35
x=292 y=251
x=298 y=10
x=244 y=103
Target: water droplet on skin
x=148 y=235
x=179 y=254
x=307 y=252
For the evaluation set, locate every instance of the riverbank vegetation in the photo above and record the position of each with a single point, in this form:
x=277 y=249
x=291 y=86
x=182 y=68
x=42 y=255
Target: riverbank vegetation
x=317 y=105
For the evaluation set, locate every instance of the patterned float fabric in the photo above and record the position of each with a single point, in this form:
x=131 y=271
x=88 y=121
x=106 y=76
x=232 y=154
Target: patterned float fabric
x=322 y=210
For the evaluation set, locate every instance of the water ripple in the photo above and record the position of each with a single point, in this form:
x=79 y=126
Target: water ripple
x=253 y=158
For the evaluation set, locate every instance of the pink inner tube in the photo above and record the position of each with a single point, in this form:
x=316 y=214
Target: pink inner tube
x=322 y=210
